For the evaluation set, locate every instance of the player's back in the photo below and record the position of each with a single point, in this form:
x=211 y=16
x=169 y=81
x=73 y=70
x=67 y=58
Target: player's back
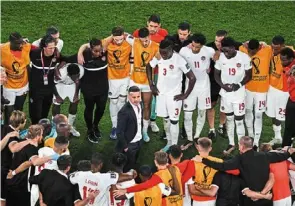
x=90 y=182
x=125 y=202
x=151 y=197
x=281 y=188
x=170 y=74
x=204 y=177
x=166 y=177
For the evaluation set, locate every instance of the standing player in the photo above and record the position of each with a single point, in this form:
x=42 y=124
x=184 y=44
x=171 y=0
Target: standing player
x=168 y=89
x=119 y=160
x=15 y=58
x=143 y=51
x=277 y=96
x=198 y=58
x=256 y=89
x=118 y=54
x=68 y=85
x=233 y=71
x=215 y=89
x=157 y=34
x=93 y=181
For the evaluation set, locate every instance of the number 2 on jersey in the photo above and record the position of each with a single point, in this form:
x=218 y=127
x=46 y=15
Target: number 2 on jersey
x=85 y=194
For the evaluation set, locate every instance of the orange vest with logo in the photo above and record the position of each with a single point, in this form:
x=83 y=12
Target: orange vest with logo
x=204 y=177
x=260 y=69
x=175 y=200
x=150 y=197
x=118 y=60
x=142 y=56
x=16 y=69
x=278 y=79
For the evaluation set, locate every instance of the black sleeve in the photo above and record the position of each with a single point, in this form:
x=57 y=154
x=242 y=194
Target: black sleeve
x=217 y=179
x=76 y=193
x=37 y=179
x=71 y=59
x=274 y=157
x=231 y=164
x=32 y=151
x=121 y=127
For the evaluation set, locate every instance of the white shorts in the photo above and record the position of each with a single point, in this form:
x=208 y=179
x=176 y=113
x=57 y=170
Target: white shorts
x=276 y=103
x=255 y=99
x=142 y=87
x=118 y=87
x=11 y=94
x=283 y=202
x=65 y=91
x=204 y=203
x=200 y=97
x=167 y=107
x=34 y=194
x=237 y=108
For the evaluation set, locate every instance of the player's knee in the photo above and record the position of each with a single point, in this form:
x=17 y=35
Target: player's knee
x=239 y=118
x=276 y=122
x=258 y=115
x=174 y=122
x=114 y=101
x=201 y=113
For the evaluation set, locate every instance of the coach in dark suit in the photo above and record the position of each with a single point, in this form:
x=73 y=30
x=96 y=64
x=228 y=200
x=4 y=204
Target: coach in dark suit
x=129 y=129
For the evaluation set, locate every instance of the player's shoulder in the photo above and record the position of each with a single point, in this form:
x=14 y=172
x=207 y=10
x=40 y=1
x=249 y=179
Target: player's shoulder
x=45 y=151
x=243 y=56
x=208 y=49
x=163 y=32
x=185 y=51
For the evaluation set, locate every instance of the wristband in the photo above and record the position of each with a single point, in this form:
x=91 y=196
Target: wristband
x=13 y=173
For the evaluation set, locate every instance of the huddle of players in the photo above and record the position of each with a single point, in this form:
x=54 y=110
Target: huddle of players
x=248 y=74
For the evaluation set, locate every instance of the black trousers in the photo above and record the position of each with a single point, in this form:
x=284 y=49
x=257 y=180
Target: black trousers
x=289 y=132
x=20 y=197
x=39 y=105
x=90 y=102
x=132 y=155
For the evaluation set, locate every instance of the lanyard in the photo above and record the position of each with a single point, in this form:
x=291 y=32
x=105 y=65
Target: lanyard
x=42 y=61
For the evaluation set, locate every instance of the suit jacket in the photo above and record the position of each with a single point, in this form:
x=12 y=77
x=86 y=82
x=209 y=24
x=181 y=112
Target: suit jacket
x=127 y=126
x=56 y=189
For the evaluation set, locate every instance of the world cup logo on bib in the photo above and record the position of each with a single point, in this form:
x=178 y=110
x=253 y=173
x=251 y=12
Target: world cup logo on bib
x=144 y=58
x=15 y=67
x=148 y=201
x=256 y=63
x=206 y=172
x=117 y=54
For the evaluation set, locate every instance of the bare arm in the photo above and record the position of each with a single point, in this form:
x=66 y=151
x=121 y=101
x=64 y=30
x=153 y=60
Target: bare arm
x=175 y=186
x=7 y=137
x=193 y=189
x=255 y=195
x=25 y=165
x=37 y=161
x=269 y=184
x=17 y=146
x=127 y=177
x=247 y=77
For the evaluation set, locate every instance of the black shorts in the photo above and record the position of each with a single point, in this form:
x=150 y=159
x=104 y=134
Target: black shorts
x=4 y=173
x=215 y=89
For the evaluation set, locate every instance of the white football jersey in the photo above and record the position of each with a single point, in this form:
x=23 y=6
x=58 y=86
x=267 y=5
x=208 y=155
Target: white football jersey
x=91 y=182
x=199 y=64
x=51 y=164
x=233 y=72
x=170 y=74
x=122 y=185
x=64 y=77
